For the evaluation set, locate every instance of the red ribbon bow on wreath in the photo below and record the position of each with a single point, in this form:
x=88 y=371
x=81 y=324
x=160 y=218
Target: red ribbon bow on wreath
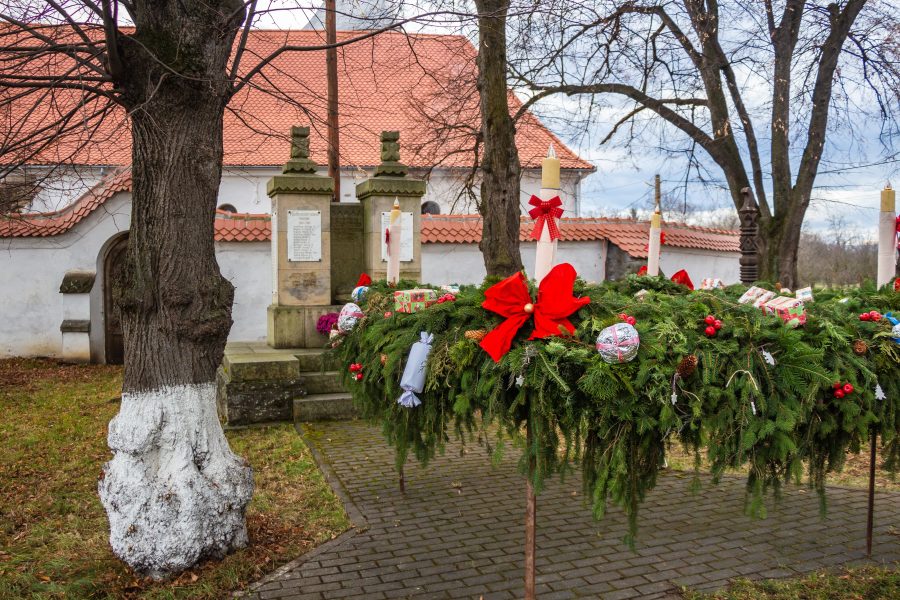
x=545 y=212
x=510 y=298
x=897 y=230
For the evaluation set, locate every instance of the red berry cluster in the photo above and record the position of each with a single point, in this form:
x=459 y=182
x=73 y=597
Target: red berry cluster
x=448 y=297
x=872 y=315
x=357 y=368
x=713 y=325
x=841 y=389
x=627 y=318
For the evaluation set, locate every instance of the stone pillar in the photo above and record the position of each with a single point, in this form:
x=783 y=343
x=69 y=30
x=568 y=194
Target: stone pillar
x=301 y=215
x=76 y=326
x=749 y=216
x=377 y=196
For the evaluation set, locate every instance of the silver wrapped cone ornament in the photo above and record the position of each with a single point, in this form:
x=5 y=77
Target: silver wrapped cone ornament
x=348 y=317
x=618 y=343
x=359 y=293
x=413 y=380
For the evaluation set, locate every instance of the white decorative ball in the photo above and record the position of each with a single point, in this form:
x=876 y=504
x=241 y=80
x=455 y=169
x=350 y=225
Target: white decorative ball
x=349 y=315
x=359 y=293
x=618 y=343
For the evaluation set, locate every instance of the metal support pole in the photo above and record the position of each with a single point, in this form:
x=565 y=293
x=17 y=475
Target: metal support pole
x=871 y=516
x=530 y=518
x=334 y=161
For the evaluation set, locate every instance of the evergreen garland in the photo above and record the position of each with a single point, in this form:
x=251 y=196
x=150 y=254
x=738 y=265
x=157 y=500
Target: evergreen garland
x=614 y=420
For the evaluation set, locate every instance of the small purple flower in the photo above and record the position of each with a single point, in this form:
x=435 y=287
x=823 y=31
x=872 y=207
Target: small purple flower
x=326 y=323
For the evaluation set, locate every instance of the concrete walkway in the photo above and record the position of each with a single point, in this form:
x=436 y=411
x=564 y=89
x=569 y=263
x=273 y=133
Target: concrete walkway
x=458 y=532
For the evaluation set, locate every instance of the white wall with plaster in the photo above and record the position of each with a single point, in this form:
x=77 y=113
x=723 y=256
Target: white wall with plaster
x=701 y=263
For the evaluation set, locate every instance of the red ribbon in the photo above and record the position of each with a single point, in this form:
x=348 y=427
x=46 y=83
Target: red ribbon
x=683 y=278
x=364 y=279
x=545 y=212
x=510 y=299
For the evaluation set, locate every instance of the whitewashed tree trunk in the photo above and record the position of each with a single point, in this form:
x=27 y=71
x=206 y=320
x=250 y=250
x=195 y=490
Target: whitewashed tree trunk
x=174 y=491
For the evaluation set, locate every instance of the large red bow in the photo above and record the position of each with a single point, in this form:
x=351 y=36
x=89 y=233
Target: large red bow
x=683 y=278
x=545 y=212
x=510 y=298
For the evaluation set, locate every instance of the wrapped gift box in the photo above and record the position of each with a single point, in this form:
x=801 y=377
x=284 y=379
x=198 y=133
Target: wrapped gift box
x=763 y=298
x=410 y=301
x=790 y=310
x=711 y=284
x=804 y=294
x=752 y=294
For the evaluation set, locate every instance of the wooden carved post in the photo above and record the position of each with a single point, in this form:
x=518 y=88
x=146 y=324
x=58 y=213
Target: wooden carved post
x=749 y=215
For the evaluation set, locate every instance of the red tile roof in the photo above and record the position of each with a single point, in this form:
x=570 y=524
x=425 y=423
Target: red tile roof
x=230 y=227
x=60 y=221
x=631 y=236
x=385 y=83
x=242 y=227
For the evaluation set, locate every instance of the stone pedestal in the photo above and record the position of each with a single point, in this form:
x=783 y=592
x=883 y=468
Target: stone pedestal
x=377 y=197
x=301 y=289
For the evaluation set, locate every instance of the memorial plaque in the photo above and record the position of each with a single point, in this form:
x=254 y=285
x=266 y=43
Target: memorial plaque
x=304 y=235
x=406 y=240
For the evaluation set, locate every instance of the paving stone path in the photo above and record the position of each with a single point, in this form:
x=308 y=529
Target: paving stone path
x=458 y=532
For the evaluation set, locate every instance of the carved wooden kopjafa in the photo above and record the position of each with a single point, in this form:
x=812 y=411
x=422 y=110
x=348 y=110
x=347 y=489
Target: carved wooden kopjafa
x=749 y=215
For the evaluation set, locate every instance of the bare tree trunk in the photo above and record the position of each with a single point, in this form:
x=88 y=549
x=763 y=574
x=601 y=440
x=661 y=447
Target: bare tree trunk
x=174 y=492
x=500 y=167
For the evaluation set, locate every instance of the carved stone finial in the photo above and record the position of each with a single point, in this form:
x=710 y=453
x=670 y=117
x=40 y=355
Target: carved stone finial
x=300 y=161
x=749 y=216
x=390 y=156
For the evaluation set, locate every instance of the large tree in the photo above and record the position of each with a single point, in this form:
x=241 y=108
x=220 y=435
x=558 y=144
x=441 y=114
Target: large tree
x=166 y=69
x=500 y=168
x=755 y=85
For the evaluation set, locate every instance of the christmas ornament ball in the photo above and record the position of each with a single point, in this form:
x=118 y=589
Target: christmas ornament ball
x=358 y=293
x=618 y=343
x=710 y=331
x=348 y=317
x=895 y=331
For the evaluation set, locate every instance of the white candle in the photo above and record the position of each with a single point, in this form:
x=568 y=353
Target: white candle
x=887 y=236
x=395 y=228
x=545 y=252
x=653 y=246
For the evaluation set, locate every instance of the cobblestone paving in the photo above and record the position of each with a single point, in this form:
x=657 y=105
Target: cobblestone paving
x=458 y=532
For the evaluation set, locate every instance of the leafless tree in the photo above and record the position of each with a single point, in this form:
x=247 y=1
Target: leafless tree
x=729 y=77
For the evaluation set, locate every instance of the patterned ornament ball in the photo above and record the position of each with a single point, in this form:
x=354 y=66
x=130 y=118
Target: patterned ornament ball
x=348 y=317
x=359 y=293
x=618 y=343
x=860 y=347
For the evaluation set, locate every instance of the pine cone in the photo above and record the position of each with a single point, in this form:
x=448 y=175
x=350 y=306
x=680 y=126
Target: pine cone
x=476 y=335
x=687 y=366
x=860 y=347
x=384 y=358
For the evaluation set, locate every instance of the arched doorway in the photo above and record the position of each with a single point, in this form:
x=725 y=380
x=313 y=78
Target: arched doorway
x=112 y=324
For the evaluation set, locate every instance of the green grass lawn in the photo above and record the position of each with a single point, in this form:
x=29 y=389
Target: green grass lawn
x=866 y=583
x=53 y=530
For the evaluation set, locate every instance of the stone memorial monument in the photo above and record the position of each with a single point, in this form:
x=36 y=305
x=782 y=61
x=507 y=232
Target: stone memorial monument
x=291 y=376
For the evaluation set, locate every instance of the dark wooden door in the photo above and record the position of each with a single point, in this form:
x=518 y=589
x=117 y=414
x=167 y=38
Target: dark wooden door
x=112 y=269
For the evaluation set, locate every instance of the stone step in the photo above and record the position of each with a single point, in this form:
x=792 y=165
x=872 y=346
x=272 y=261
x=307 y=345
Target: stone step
x=316 y=360
x=324 y=407
x=325 y=382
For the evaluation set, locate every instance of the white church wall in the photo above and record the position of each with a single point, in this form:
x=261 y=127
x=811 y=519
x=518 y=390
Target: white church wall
x=444 y=187
x=463 y=263
x=31 y=270
x=701 y=263
x=248 y=266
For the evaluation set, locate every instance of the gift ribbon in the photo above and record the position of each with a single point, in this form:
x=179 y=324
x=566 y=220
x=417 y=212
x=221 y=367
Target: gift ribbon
x=617 y=345
x=545 y=213
x=510 y=298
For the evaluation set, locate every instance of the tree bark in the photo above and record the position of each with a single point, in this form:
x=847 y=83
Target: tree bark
x=499 y=206
x=174 y=492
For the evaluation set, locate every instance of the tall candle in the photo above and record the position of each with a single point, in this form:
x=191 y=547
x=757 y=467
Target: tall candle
x=653 y=246
x=887 y=236
x=395 y=229
x=545 y=251
x=550 y=171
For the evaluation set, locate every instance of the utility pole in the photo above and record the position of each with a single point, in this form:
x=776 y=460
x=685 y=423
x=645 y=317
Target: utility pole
x=334 y=156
